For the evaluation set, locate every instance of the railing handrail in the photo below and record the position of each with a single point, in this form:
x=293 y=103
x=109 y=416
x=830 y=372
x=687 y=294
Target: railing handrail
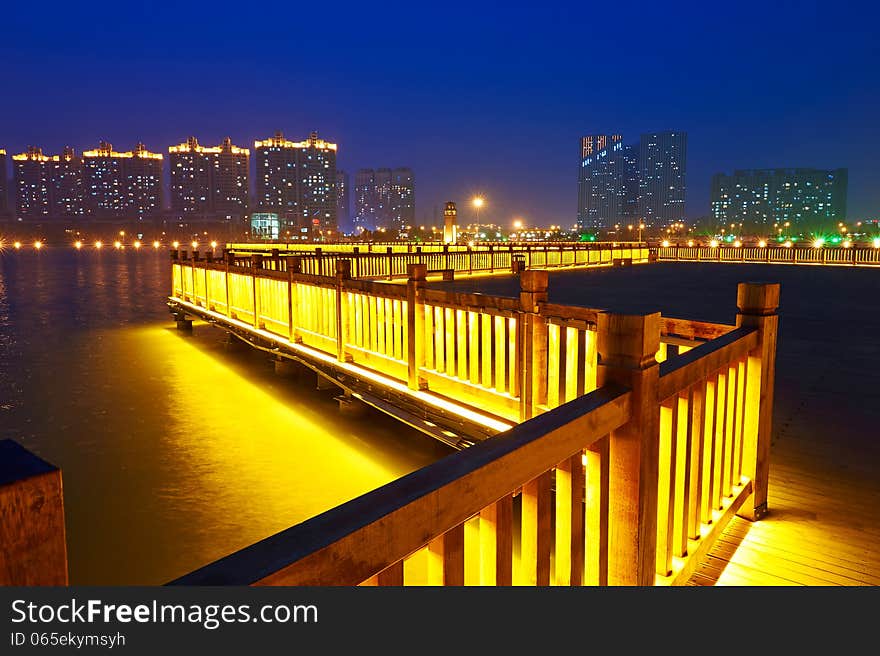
x=679 y=373
x=350 y=543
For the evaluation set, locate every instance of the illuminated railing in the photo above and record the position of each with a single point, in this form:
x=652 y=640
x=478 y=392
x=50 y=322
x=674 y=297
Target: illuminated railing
x=391 y=261
x=654 y=429
x=771 y=253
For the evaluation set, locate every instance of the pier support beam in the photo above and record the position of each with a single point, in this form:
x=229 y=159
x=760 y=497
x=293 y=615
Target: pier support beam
x=757 y=304
x=627 y=345
x=324 y=383
x=350 y=406
x=33 y=549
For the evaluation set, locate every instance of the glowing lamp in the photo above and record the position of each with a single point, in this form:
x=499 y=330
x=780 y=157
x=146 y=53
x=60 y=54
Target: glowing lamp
x=876 y=242
x=175 y=244
x=117 y=244
x=155 y=244
x=16 y=245
x=714 y=243
x=762 y=244
x=77 y=244
x=38 y=244
x=737 y=243
x=98 y=244
x=818 y=243
x=665 y=243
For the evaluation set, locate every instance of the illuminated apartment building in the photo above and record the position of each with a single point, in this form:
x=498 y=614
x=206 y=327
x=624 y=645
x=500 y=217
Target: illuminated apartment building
x=297 y=180
x=66 y=185
x=122 y=185
x=209 y=182
x=33 y=174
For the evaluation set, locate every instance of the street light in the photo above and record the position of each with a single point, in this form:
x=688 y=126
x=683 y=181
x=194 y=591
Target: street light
x=477 y=202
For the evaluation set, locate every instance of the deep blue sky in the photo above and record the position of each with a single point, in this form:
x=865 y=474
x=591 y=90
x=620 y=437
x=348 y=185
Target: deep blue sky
x=474 y=97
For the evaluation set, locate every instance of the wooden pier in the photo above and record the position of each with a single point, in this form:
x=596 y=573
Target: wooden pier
x=595 y=448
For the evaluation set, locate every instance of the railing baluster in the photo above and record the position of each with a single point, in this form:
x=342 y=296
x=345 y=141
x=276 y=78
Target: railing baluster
x=696 y=429
x=682 y=437
x=709 y=450
x=496 y=543
x=570 y=537
x=666 y=485
x=536 y=537
x=596 y=513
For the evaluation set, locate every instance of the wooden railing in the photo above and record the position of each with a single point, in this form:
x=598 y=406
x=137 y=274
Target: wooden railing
x=629 y=460
x=771 y=253
x=391 y=262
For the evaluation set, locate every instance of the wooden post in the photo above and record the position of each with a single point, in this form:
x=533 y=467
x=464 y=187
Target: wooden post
x=33 y=550
x=415 y=323
x=627 y=344
x=256 y=265
x=343 y=273
x=757 y=304
x=533 y=360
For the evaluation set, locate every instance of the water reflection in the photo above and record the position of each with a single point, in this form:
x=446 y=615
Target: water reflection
x=174 y=450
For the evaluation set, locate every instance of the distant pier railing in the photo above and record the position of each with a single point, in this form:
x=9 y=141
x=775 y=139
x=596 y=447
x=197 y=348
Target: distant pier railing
x=391 y=261
x=634 y=438
x=853 y=256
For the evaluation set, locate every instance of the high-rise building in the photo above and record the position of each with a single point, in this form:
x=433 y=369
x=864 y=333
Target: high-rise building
x=758 y=198
x=33 y=174
x=143 y=173
x=122 y=185
x=230 y=185
x=382 y=182
x=384 y=198
x=365 y=200
x=209 y=183
x=402 y=198
x=608 y=182
x=662 y=168
x=343 y=190
x=298 y=181
x=4 y=192
x=66 y=185
x=190 y=173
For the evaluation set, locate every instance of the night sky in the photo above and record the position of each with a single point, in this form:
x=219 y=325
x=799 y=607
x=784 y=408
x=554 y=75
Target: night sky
x=474 y=97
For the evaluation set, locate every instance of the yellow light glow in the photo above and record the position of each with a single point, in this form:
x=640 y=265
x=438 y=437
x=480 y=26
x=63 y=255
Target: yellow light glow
x=16 y=245
x=213 y=244
x=117 y=244
x=787 y=244
x=847 y=243
x=77 y=244
x=876 y=242
x=98 y=244
x=175 y=244
x=714 y=243
x=818 y=243
x=665 y=243
x=737 y=243
x=690 y=242
x=470 y=243
x=195 y=244
x=478 y=202
x=155 y=244
x=136 y=244
x=38 y=244
x=762 y=244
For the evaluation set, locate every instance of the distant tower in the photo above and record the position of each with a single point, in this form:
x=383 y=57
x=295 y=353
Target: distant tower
x=450 y=223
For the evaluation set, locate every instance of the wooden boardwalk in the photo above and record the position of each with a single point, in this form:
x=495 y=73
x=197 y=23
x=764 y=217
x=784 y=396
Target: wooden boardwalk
x=824 y=495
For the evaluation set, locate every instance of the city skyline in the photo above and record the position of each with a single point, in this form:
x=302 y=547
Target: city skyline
x=480 y=116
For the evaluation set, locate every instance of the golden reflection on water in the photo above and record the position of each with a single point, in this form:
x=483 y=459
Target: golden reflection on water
x=202 y=451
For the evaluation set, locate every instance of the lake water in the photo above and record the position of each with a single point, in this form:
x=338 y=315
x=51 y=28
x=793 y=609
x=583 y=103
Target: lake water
x=174 y=450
